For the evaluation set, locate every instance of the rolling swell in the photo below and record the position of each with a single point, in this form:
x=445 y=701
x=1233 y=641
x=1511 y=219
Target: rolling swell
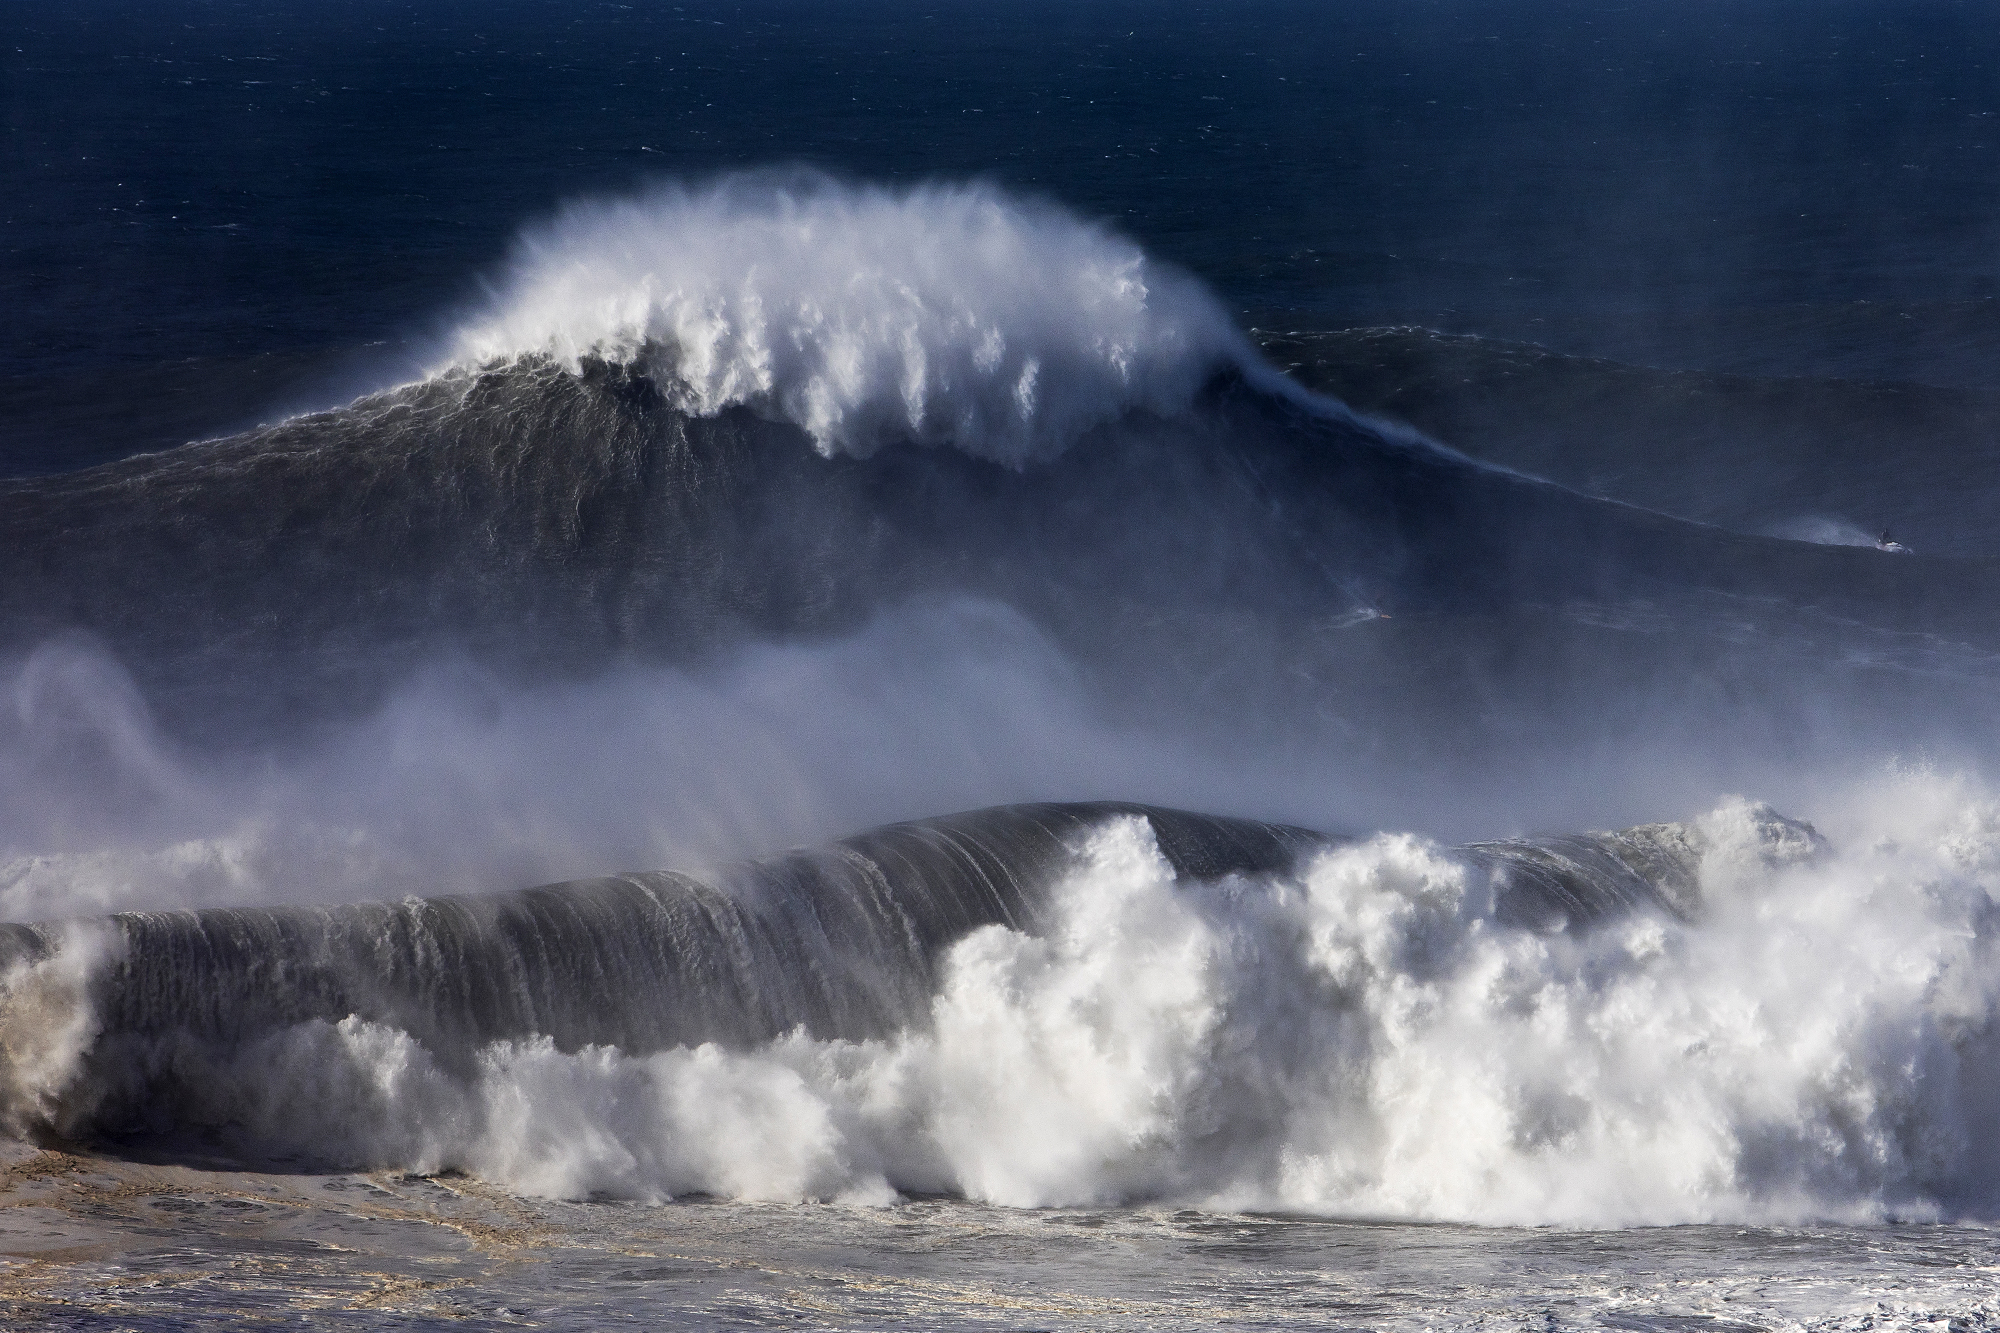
x=674 y=432
x=541 y=520
x=841 y=942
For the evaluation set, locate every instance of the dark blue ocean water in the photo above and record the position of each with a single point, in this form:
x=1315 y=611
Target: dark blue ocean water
x=216 y=210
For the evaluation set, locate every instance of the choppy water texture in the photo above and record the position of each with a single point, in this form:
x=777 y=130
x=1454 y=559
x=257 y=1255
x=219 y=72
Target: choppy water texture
x=98 y=1243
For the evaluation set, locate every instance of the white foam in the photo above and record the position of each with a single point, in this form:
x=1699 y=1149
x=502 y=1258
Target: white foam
x=1360 y=1039
x=941 y=314
x=48 y=1022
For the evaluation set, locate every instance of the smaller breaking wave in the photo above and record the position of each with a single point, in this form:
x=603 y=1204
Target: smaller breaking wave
x=1727 y=1019
x=943 y=314
x=840 y=942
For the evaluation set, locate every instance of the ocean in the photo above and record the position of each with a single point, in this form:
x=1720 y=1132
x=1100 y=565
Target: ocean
x=1016 y=666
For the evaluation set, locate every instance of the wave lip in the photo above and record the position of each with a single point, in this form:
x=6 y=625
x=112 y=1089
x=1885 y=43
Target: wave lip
x=940 y=314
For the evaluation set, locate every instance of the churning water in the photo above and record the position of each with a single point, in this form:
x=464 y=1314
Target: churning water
x=1185 y=607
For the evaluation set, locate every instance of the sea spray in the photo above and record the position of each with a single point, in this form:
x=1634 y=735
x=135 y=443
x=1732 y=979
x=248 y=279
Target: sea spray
x=951 y=314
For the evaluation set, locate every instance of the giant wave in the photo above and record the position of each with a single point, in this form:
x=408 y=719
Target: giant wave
x=797 y=477
x=774 y=410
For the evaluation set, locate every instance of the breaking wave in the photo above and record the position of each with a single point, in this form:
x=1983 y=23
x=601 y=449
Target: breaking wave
x=668 y=532
x=942 y=314
x=700 y=419
x=1732 y=1019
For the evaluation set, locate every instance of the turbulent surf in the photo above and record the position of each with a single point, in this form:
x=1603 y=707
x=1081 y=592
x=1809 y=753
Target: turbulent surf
x=1067 y=1004
x=839 y=504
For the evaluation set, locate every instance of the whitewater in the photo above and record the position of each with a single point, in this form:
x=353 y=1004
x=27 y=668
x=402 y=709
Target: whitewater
x=946 y=314
x=1372 y=1034
x=398 y=793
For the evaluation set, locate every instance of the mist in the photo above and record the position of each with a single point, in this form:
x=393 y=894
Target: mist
x=717 y=427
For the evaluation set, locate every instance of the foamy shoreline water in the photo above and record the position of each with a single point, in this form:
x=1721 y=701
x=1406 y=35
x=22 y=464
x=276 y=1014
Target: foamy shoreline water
x=88 y=1241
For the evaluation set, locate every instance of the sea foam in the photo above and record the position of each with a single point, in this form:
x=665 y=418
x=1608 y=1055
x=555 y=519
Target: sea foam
x=940 y=314
x=1359 y=1037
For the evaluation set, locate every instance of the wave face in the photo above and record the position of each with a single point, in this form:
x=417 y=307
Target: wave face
x=1096 y=1004
x=839 y=943
x=779 y=408
x=945 y=315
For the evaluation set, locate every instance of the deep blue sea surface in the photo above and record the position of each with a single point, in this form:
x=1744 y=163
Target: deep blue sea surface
x=212 y=205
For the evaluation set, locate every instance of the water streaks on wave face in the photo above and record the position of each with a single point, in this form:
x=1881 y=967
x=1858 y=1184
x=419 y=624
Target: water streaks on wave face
x=1103 y=1004
x=945 y=314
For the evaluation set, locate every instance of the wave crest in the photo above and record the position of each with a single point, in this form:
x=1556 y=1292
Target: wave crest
x=940 y=314
x=1049 y=1005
